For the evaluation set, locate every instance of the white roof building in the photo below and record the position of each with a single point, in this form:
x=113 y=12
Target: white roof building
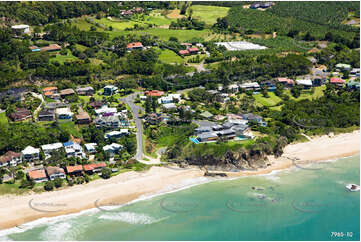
x=63 y=112
x=169 y=106
x=90 y=147
x=21 y=27
x=29 y=150
x=105 y=109
x=304 y=82
x=51 y=147
x=250 y=85
x=343 y=66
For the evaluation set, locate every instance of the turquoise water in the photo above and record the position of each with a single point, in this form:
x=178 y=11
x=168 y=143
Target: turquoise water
x=297 y=204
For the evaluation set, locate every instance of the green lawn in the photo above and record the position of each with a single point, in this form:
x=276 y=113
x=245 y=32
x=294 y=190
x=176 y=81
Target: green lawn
x=3 y=118
x=71 y=127
x=80 y=47
x=209 y=14
x=64 y=58
x=272 y=100
x=84 y=25
x=168 y=56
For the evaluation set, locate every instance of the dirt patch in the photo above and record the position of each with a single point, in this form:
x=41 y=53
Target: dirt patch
x=175 y=14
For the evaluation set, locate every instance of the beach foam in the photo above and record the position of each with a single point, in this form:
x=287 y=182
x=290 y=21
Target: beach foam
x=130 y=218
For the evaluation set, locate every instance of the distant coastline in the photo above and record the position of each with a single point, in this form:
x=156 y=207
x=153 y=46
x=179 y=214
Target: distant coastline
x=131 y=186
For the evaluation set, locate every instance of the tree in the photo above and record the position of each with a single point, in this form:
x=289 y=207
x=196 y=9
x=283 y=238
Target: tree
x=49 y=185
x=264 y=91
x=279 y=89
x=58 y=182
x=296 y=91
x=106 y=173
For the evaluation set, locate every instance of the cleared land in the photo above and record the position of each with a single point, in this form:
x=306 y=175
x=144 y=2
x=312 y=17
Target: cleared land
x=209 y=14
x=168 y=56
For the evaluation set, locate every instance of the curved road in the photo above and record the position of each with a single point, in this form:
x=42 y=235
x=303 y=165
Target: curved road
x=129 y=100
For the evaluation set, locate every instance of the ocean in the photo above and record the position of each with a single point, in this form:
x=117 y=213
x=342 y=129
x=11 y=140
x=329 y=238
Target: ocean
x=306 y=202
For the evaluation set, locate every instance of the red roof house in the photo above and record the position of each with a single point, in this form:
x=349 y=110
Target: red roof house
x=193 y=50
x=183 y=52
x=154 y=93
x=72 y=170
x=90 y=168
x=38 y=175
x=135 y=45
x=336 y=80
x=286 y=81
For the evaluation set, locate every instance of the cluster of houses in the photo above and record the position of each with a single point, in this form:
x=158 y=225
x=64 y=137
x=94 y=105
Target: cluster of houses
x=130 y=12
x=168 y=102
x=190 y=49
x=52 y=172
x=236 y=127
x=262 y=5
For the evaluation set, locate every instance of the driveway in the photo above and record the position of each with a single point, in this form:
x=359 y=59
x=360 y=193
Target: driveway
x=129 y=100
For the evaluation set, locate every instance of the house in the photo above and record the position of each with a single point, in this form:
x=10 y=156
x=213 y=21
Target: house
x=188 y=45
x=116 y=134
x=286 y=81
x=255 y=5
x=49 y=148
x=227 y=125
x=85 y=91
x=169 y=106
x=233 y=88
x=112 y=149
x=226 y=134
x=355 y=72
x=74 y=170
x=193 y=50
x=38 y=175
x=92 y=168
x=337 y=81
x=55 y=172
x=342 y=66
x=153 y=118
x=55 y=105
x=353 y=85
x=51 y=47
x=30 y=153
x=10 y=158
x=96 y=104
x=106 y=111
x=134 y=46
x=20 y=29
x=46 y=115
x=73 y=149
x=64 y=113
x=20 y=114
x=169 y=99
x=154 y=93
x=250 y=86
x=217 y=127
x=254 y=118
x=183 y=52
x=207 y=136
x=66 y=92
x=107 y=121
x=202 y=129
x=305 y=83
x=90 y=148
x=14 y=94
x=206 y=114
x=110 y=90
x=49 y=91
x=83 y=118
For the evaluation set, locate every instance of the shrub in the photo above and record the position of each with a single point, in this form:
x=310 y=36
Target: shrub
x=49 y=185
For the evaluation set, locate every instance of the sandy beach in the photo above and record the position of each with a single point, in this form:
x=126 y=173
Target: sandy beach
x=17 y=210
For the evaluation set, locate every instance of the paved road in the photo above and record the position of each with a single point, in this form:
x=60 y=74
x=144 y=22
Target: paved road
x=138 y=122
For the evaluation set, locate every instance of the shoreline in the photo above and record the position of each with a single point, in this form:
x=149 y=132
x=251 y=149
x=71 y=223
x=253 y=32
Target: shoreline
x=131 y=186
